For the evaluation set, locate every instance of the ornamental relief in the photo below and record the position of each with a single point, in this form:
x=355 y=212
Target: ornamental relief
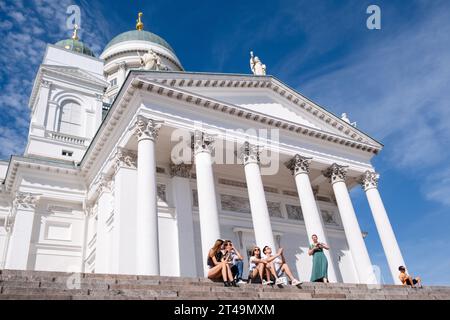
x=202 y=142
x=299 y=164
x=335 y=173
x=369 y=180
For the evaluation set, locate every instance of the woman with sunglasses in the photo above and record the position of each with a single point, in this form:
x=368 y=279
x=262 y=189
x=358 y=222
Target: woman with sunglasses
x=258 y=267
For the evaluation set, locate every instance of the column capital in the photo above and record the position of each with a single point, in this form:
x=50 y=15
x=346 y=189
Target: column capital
x=46 y=83
x=125 y=158
x=106 y=184
x=146 y=128
x=369 y=180
x=335 y=173
x=250 y=153
x=180 y=170
x=26 y=200
x=203 y=142
x=121 y=65
x=299 y=164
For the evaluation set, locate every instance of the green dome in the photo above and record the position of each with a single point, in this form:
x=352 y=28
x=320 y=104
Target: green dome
x=139 y=35
x=75 y=45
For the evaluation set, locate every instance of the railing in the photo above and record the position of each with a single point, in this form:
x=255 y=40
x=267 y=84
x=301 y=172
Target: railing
x=66 y=138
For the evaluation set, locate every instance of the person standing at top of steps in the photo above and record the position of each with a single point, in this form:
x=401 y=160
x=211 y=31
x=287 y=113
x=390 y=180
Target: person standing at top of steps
x=277 y=266
x=320 y=263
x=407 y=280
x=218 y=265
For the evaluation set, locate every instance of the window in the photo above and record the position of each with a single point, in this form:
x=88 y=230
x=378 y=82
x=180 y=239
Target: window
x=70 y=118
x=113 y=82
x=67 y=153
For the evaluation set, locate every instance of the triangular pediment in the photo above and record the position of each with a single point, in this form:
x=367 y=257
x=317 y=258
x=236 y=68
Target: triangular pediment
x=263 y=95
x=74 y=72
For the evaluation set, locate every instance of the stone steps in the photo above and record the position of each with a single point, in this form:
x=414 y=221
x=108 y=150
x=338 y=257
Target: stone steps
x=42 y=285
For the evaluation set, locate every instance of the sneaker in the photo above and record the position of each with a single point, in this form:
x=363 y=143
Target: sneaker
x=241 y=281
x=265 y=282
x=279 y=281
x=296 y=282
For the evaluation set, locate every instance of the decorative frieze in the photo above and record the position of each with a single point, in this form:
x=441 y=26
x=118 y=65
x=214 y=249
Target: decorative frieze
x=235 y=203
x=369 y=180
x=299 y=164
x=250 y=153
x=335 y=173
x=328 y=217
x=180 y=170
x=203 y=142
x=146 y=128
x=294 y=212
x=274 y=209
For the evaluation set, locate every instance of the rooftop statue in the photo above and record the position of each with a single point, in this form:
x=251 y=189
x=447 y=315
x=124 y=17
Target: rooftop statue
x=258 y=68
x=346 y=119
x=151 y=61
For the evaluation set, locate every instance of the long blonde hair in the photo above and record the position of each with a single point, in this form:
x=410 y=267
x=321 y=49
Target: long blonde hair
x=216 y=247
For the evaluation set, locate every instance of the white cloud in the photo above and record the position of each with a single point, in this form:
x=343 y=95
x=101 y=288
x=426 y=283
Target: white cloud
x=22 y=47
x=397 y=89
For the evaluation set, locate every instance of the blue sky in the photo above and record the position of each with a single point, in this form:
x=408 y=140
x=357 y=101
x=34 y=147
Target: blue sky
x=394 y=82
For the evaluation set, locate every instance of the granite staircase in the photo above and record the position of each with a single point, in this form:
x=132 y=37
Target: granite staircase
x=40 y=285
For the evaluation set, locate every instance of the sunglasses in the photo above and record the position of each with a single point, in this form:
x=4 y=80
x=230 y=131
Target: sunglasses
x=257 y=250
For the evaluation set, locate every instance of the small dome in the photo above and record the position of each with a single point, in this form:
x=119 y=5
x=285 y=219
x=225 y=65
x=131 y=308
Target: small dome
x=139 y=35
x=75 y=45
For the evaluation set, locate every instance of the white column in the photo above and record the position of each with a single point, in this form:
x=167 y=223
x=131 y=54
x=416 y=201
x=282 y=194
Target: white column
x=182 y=194
x=358 y=249
x=124 y=249
x=22 y=229
x=257 y=197
x=147 y=247
x=207 y=203
x=391 y=249
x=121 y=73
x=314 y=225
x=105 y=208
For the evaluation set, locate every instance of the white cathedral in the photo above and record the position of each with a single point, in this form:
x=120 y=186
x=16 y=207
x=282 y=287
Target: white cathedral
x=100 y=189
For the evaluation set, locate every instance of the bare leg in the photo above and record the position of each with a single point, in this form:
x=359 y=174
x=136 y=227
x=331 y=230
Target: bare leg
x=230 y=274
x=224 y=271
x=285 y=268
x=260 y=268
x=271 y=267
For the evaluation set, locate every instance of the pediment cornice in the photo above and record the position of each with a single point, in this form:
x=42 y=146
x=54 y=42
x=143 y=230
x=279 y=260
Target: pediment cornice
x=211 y=80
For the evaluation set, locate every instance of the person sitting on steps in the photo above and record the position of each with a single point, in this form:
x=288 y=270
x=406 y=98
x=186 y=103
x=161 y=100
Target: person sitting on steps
x=407 y=280
x=258 y=267
x=235 y=260
x=277 y=265
x=218 y=265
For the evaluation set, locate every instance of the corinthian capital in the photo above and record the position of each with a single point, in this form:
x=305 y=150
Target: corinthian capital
x=369 y=180
x=335 y=173
x=250 y=153
x=298 y=164
x=203 y=142
x=125 y=158
x=25 y=200
x=146 y=128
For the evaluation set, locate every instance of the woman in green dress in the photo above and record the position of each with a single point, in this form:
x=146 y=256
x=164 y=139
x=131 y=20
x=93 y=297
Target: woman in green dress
x=320 y=263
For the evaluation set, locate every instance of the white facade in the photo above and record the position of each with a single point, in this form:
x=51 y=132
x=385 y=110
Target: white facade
x=97 y=193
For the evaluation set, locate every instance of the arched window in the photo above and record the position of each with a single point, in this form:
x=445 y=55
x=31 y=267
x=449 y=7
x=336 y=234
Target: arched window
x=70 y=118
